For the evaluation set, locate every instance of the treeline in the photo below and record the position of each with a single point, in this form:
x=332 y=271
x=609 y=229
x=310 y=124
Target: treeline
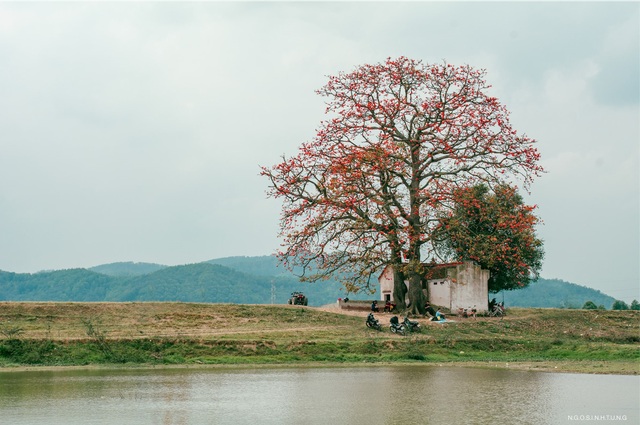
x=247 y=280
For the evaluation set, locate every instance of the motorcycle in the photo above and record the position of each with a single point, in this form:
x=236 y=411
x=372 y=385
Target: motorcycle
x=467 y=312
x=497 y=310
x=395 y=326
x=411 y=326
x=372 y=322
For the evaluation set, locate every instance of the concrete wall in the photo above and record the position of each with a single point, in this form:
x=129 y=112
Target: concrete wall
x=386 y=284
x=471 y=287
x=463 y=285
x=440 y=292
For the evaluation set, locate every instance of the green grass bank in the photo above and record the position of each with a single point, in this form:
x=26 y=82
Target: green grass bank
x=39 y=334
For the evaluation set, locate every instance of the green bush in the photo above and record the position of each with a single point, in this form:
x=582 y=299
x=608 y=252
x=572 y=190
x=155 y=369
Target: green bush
x=619 y=305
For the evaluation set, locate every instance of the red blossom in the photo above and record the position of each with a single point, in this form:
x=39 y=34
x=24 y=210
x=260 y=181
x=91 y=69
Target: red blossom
x=399 y=138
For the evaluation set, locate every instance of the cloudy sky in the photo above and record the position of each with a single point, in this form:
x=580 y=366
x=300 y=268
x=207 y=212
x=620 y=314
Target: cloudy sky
x=135 y=131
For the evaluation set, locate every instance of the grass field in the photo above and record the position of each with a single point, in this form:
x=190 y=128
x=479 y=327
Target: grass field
x=144 y=334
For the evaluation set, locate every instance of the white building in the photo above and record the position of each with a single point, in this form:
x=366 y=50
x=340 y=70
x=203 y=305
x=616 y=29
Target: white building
x=452 y=285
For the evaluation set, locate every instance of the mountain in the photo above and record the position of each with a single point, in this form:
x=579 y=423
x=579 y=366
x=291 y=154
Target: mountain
x=60 y=285
x=127 y=268
x=554 y=293
x=267 y=265
x=201 y=282
x=249 y=280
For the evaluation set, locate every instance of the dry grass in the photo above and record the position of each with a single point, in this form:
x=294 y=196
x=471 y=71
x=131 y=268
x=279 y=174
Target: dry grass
x=66 y=321
x=541 y=339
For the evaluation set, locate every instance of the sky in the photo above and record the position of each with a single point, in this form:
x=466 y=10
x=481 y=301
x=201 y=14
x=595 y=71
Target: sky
x=134 y=131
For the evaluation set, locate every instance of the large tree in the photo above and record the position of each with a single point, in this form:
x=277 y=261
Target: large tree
x=401 y=136
x=497 y=230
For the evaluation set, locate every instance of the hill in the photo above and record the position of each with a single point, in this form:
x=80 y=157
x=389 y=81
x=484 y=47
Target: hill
x=267 y=265
x=254 y=280
x=127 y=268
x=201 y=282
x=554 y=293
x=60 y=285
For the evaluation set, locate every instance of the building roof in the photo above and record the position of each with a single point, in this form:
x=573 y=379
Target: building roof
x=432 y=266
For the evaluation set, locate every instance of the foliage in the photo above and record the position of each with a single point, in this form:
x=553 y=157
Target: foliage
x=589 y=305
x=619 y=305
x=635 y=305
x=400 y=136
x=495 y=229
x=60 y=285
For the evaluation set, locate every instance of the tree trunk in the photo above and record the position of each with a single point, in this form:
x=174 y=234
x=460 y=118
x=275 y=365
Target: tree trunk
x=416 y=296
x=399 y=288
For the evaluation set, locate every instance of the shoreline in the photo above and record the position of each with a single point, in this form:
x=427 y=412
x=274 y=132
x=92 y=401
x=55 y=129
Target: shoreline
x=544 y=366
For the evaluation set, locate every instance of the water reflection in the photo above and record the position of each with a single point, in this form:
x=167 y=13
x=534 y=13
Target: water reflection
x=388 y=395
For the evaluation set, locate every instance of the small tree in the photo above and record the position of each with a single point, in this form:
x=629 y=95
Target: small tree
x=635 y=305
x=589 y=305
x=619 y=305
x=495 y=229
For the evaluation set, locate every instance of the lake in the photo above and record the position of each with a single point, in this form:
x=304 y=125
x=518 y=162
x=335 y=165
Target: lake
x=349 y=395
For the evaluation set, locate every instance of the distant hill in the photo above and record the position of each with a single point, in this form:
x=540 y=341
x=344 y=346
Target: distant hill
x=127 y=269
x=201 y=282
x=60 y=285
x=267 y=265
x=251 y=280
x=554 y=293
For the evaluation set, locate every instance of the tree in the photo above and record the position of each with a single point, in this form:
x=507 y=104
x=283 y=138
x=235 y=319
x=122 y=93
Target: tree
x=367 y=190
x=495 y=229
x=619 y=305
x=635 y=305
x=589 y=305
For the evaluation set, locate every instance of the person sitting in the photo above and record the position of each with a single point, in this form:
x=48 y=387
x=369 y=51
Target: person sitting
x=389 y=306
x=374 y=306
x=430 y=309
x=438 y=317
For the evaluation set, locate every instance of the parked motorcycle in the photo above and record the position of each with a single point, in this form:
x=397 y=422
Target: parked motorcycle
x=372 y=322
x=467 y=312
x=411 y=326
x=395 y=326
x=497 y=310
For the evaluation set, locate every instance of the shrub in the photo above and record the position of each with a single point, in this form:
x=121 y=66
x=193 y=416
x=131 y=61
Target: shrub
x=619 y=305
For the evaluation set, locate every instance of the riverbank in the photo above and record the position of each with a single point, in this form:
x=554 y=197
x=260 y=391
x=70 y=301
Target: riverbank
x=39 y=334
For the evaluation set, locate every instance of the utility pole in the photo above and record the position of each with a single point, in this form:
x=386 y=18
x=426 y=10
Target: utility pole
x=273 y=291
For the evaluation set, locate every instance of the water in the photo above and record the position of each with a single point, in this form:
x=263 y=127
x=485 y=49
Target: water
x=382 y=395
